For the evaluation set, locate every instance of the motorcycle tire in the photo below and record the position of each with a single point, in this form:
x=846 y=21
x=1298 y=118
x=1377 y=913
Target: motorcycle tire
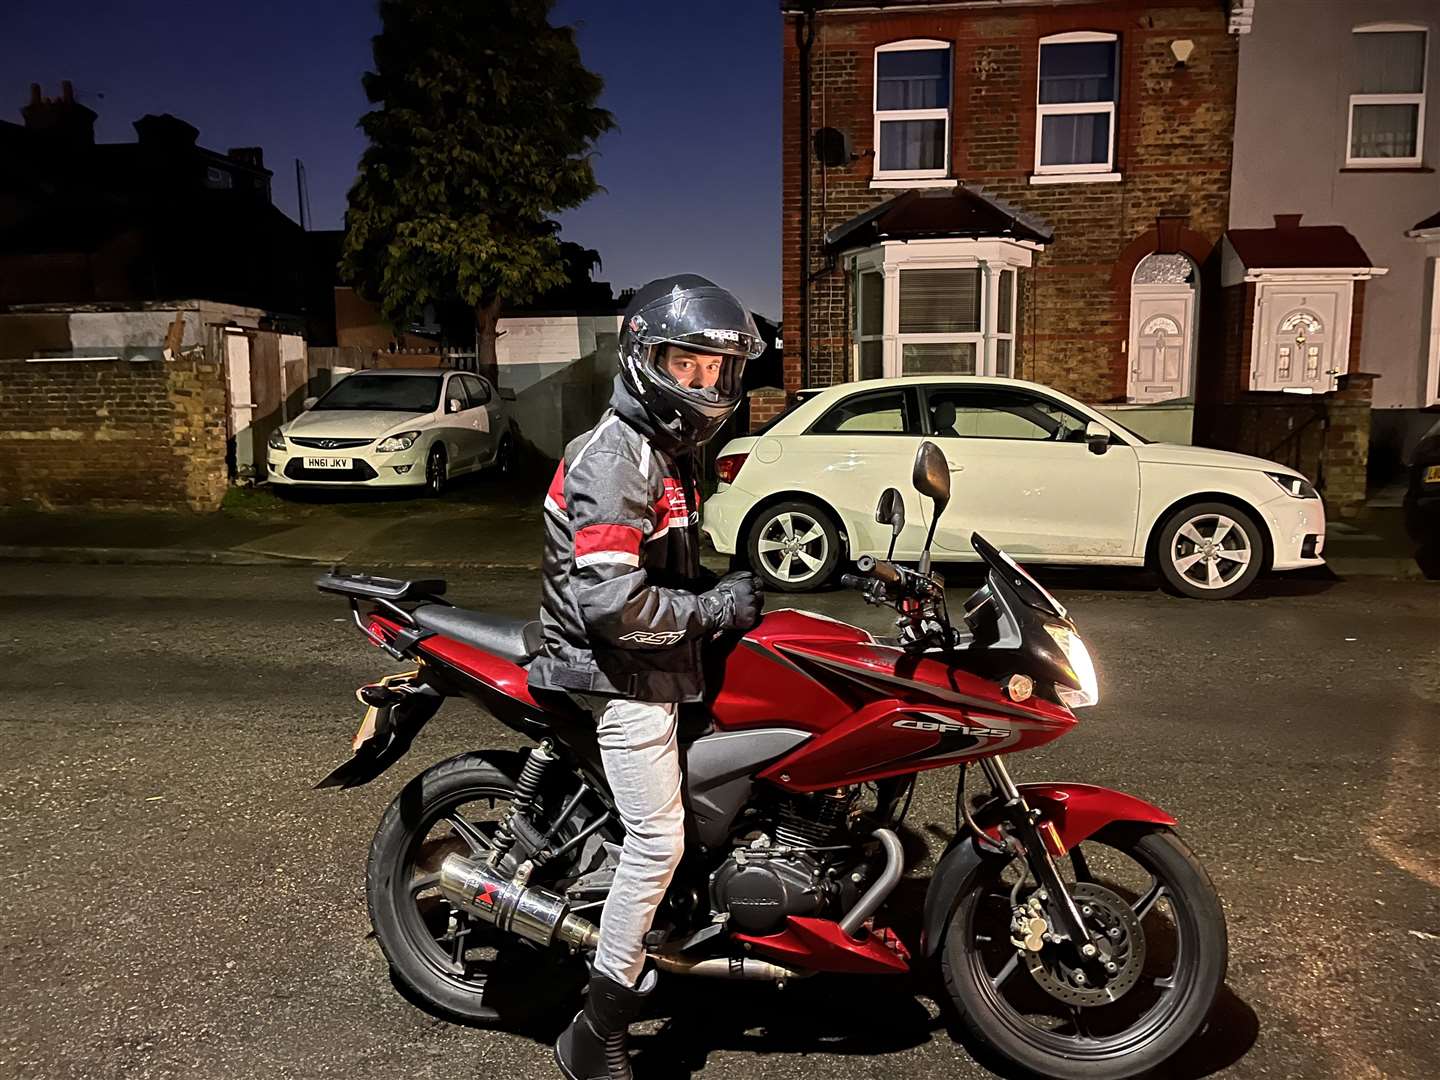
x=522 y=980
x=1158 y=1034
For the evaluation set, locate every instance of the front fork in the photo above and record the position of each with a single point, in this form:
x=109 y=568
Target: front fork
x=1039 y=844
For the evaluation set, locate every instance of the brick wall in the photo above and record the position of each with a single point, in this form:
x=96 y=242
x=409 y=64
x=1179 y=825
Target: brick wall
x=112 y=434
x=1173 y=135
x=766 y=403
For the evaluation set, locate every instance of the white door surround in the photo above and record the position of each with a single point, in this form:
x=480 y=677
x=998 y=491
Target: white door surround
x=1163 y=329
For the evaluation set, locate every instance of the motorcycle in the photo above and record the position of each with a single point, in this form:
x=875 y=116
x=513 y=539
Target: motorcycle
x=1076 y=934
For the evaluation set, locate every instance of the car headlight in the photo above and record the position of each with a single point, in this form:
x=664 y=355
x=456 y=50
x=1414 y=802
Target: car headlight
x=276 y=440
x=1294 y=486
x=403 y=441
x=1081 y=666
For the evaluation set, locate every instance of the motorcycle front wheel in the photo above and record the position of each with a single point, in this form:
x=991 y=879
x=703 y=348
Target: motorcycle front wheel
x=1161 y=958
x=448 y=962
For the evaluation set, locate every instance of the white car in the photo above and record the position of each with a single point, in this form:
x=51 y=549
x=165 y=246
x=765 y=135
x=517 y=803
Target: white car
x=394 y=428
x=1035 y=472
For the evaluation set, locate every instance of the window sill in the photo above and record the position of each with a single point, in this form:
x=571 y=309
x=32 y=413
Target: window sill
x=1387 y=169
x=897 y=184
x=1076 y=178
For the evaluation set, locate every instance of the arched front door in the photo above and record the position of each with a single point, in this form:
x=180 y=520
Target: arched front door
x=1162 y=328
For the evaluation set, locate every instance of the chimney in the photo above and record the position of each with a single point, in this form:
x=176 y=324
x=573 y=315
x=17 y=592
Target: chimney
x=253 y=156
x=165 y=131
x=63 y=120
x=1288 y=221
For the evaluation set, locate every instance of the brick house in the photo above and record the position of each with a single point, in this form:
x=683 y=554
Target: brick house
x=1036 y=190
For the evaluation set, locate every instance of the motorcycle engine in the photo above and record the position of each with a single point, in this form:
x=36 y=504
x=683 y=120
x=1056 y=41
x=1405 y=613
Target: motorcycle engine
x=784 y=871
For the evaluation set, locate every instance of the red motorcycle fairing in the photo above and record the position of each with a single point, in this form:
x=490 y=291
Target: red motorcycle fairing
x=878 y=712
x=820 y=945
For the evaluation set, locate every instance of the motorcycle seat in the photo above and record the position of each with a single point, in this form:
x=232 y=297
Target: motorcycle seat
x=516 y=640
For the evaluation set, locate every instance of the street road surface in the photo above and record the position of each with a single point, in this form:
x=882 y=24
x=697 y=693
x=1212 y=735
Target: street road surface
x=178 y=902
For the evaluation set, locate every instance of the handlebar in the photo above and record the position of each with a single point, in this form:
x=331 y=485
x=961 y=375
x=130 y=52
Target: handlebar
x=879 y=569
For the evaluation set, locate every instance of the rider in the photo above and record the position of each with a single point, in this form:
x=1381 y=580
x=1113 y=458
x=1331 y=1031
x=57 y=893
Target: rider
x=626 y=609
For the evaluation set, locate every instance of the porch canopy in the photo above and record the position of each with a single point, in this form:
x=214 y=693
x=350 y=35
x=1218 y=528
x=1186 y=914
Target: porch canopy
x=958 y=213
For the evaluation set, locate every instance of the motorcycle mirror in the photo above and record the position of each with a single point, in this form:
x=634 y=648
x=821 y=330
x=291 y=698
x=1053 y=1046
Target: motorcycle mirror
x=932 y=474
x=890 y=510
x=1097 y=437
x=931 y=477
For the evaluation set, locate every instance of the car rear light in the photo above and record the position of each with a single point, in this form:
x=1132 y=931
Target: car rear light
x=728 y=467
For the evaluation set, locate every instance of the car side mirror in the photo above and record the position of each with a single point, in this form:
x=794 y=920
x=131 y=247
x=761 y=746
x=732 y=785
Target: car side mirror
x=308 y=404
x=453 y=405
x=1097 y=437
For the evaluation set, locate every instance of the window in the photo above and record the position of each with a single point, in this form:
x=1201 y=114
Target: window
x=456 y=390
x=219 y=178
x=1005 y=324
x=1075 y=114
x=912 y=109
x=476 y=389
x=870 y=323
x=939 y=321
x=1387 y=102
x=401 y=393
x=984 y=412
x=877 y=412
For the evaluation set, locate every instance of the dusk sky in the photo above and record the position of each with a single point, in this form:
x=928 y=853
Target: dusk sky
x=692 y=175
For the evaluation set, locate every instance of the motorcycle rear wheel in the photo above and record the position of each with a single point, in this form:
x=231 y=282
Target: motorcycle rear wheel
x=1180 y=967
x=447 y=962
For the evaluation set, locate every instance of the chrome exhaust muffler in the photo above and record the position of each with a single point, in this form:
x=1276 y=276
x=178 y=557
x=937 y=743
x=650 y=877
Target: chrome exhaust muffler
x=544 y=917
x=528 y=911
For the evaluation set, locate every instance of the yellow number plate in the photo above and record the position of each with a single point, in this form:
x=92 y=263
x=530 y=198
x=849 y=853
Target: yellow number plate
x=1432 y=474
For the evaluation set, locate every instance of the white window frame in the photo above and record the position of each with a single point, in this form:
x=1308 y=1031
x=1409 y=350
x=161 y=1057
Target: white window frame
x=1352 y=162
x=1073 y=108
x=882 y=116
x=990 y=255
x=870 y=263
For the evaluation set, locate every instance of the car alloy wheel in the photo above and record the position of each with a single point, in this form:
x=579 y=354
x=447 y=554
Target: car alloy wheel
x=793 y=547
x=437 y=471
x=1210 y=551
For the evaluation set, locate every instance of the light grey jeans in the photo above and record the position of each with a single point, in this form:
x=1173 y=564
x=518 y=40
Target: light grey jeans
x=642 y=763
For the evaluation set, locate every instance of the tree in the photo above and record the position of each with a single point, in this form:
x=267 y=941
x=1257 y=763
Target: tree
x=483 y=126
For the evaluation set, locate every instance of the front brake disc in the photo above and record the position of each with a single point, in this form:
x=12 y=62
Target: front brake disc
x=1120 y=942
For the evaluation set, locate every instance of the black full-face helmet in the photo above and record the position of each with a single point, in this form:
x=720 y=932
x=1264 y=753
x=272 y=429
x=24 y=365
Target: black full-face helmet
x=697 y=316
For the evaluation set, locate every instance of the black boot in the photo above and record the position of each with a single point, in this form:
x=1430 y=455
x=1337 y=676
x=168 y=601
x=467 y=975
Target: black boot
x=593 y=1046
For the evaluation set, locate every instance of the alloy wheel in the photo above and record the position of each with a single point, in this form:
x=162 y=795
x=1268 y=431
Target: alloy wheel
x=1211 y=551
x=793 y=546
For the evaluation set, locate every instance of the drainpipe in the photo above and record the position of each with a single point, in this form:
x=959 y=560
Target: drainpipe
x=805 y=38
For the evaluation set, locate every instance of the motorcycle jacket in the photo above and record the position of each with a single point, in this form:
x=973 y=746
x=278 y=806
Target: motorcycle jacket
x=620 y=603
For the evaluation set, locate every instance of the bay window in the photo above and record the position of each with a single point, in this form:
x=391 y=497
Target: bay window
x=934 y=307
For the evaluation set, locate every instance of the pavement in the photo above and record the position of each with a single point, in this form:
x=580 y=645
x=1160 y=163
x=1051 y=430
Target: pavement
x=478 y=525
x=177 y=902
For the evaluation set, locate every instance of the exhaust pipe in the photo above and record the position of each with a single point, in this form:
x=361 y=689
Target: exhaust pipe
x=533 y=913
x=723 y=967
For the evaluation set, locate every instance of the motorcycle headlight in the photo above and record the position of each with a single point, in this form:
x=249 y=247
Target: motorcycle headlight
x=276 y=440
x=403 y=441
x=1083 y=668
x=1294 y=486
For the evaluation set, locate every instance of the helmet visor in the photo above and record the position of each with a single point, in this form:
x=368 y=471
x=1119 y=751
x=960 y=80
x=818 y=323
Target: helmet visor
x=704 y=320
x=703 y=376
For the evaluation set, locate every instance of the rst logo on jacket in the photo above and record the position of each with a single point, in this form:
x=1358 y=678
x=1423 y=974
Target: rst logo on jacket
x=651 y=637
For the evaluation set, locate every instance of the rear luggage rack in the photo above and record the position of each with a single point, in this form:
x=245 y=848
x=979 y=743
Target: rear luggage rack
x=370 y=587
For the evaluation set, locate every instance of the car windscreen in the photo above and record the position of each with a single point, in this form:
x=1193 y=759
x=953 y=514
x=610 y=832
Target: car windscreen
x=395 y=393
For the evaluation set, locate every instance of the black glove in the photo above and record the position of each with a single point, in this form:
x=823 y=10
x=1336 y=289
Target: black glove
x=736 y=602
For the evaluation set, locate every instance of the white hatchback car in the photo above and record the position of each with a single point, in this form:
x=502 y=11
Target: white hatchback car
x=394 y=428
x=1035 y=472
